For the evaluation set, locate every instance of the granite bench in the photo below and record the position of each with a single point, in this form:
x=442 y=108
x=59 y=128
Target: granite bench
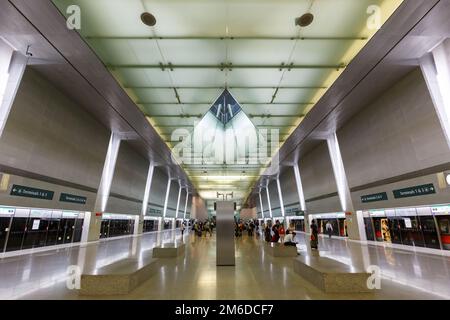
x=280 y=250
x=331 y=276
x=120 y=277
x=169 y=250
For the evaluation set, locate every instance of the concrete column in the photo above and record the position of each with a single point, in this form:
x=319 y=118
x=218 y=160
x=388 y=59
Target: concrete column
x=280 y=196
x=166 y=199
x=12 y=68
x=345 y=199
x=148 y=185
x=301 y=195
x=436 y=71
x=186 y=204
x=178 y=201
x=261 y=204
x=138 y=224
x=104 y=188
x=268 y=199
x=160 y=224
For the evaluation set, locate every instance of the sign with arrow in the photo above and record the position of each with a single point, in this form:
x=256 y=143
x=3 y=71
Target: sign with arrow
x=415 y=191
x=29 y=192
x=382 y=196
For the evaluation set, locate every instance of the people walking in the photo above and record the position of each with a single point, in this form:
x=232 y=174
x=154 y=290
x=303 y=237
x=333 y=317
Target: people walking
x=182 y=229
x=329 y=229
x=207 y=227
x=267 y=234
x=276 y=233
x=314 y=235
x=281 y=232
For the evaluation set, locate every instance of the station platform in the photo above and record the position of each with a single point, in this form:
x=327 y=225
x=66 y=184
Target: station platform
x=405 y=275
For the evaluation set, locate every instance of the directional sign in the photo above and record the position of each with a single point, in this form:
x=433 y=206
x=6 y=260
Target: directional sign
x=299 y=213
x=415 y=191
x=65 y=197
x=22 y=191
x=155 y=211
x=382 y=196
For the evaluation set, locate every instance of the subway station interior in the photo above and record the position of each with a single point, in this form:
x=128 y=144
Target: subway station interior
x=225 y=149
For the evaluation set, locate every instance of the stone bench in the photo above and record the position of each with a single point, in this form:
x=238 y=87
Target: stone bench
x=280 y=250
x=169 y=250
x=331 y=276
x=120 y=277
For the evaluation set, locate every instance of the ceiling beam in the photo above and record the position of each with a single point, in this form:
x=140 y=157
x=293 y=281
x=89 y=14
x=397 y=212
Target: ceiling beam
x=228 y=66
x=175 y=116
x=209 y=103
x=167 y=137
x=348 y=38
x=177 y=141
x=250 y=116
x=263 y=126
x=228 y=87
x=275 y=115
x=202 y=166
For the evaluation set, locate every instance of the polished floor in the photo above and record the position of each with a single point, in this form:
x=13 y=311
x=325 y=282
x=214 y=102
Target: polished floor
x=405 y=274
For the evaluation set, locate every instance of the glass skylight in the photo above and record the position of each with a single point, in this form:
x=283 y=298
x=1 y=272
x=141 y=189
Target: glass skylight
x=225 y=107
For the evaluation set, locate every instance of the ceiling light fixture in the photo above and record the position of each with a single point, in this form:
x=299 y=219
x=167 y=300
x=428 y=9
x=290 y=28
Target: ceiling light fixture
x=304 y=20
x=148 y=19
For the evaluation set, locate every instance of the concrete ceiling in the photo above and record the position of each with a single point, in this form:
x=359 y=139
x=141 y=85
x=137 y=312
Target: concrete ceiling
x=415 y=28
x=61 y=56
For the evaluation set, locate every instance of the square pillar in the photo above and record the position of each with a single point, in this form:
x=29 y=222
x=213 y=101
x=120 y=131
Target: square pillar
x=268 y=199
x=12 y=68
x=344 y=194
x=261 y=204
x=166 y=199
x=104 y=188
x=160 y=224
x=138 y=224
x=435 y=68
x=301 y=195
x=148 y=184
x=186 y=204
x=178 y=200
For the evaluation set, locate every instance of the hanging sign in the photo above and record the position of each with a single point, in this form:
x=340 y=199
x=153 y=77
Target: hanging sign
x=65 y=197
x=382 y=196
x=22 y=191
x=414 y=191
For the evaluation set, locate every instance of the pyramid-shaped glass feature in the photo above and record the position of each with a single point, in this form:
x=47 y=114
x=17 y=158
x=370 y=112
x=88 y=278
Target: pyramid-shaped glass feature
x=225 y=107
x=226 y=149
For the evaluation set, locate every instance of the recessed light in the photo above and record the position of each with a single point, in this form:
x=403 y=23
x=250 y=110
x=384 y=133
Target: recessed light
x=148 y=19
x=447 y=178
x=304 y=20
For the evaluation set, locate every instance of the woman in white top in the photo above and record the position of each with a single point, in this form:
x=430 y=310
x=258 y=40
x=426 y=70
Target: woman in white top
x=289 y=238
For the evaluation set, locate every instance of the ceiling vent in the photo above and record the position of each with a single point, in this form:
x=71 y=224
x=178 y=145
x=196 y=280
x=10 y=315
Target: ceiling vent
x=225 y=107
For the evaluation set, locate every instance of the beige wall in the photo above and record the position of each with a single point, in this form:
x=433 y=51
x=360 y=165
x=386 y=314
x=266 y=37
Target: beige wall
x=398 y=133
x=199 y=210
x=247 y=214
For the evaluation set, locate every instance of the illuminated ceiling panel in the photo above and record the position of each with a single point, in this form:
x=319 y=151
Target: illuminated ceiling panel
x=275 y=69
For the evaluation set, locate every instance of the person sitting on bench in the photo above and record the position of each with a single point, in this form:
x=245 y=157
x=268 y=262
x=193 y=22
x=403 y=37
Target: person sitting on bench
x=289 y=238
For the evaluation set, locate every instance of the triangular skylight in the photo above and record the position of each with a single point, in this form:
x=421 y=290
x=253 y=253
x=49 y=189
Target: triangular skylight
x=225 y=107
